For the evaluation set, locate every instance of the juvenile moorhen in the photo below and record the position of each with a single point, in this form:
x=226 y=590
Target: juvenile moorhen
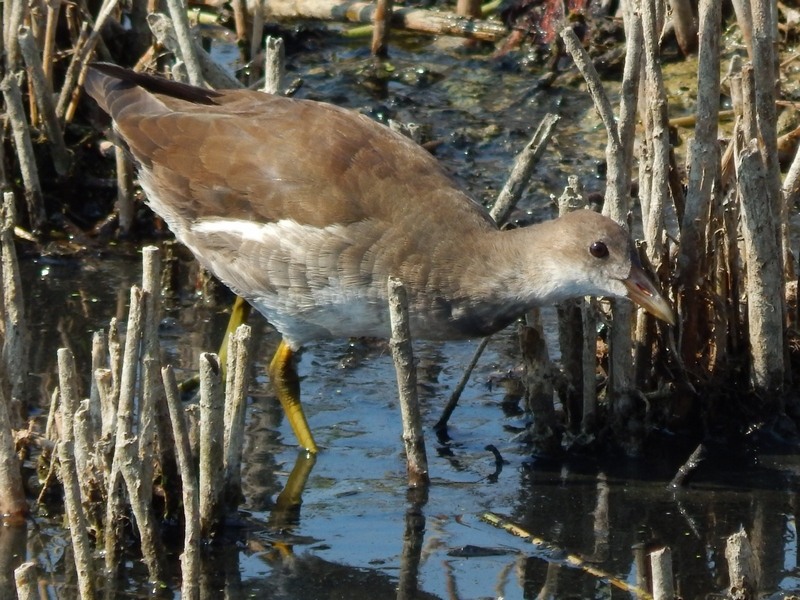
x=305 y=209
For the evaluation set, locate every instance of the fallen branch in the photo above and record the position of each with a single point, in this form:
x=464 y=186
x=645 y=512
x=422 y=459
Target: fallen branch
x=413 y=19
x=570 y=560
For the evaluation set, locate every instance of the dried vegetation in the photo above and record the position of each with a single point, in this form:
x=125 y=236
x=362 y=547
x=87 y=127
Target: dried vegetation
x=716 y=233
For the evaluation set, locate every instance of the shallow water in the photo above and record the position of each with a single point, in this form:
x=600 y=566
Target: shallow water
x=359 y=532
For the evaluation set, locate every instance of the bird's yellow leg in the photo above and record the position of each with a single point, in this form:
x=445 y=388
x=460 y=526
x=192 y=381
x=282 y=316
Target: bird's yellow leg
x=239 y=313
x=283 y=374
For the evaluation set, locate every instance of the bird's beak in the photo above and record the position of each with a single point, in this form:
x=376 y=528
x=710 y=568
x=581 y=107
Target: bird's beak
x=642 y=291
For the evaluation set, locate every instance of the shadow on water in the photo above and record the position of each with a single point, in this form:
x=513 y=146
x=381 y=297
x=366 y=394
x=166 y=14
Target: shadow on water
x=358 y=532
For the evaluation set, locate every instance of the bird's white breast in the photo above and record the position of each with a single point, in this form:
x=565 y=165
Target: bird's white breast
x=295 y=275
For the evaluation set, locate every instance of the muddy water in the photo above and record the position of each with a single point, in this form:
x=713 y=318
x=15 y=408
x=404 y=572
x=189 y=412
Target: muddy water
x=359 y=533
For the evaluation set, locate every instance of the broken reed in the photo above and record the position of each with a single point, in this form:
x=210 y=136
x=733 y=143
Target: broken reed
x=116 y=445
x=14 y=389
x=722 y=339
x=732 y=196
x=730 y=294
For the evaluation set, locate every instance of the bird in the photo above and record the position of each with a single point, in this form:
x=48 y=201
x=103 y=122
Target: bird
x=305 y=209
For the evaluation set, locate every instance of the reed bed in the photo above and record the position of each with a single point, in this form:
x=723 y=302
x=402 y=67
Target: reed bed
x=718 y=240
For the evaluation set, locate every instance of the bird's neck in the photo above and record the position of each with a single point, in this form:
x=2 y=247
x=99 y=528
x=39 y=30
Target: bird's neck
x=500 y=276
x=520 y=267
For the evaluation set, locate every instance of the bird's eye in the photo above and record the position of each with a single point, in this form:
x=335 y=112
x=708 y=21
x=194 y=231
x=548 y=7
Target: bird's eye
x=598 y=250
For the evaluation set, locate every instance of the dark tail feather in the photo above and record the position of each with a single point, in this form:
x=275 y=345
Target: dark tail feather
x=103 y=78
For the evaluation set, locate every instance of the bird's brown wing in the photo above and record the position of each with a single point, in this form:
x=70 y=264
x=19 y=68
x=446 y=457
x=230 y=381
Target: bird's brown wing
x=248 y=155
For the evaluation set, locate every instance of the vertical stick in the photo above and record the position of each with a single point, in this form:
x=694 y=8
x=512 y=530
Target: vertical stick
x=705 y=154
x=142 y=508
x=43 y=92
x=152 y=413
x=12 y=494
x=240 y=21
x=704 y=172
x=744 y=19
x=125 y=204
x=186 y=47
x=17 y=339
x=70 y=397
x=77 y=521
x=190 y=558
x=53 y=12
x=256 y=35
x=571 y=334
x=275 y=60
x=27 y=159
x=115 y=359
x=403 y=356
x=124 y=428
x=656 y=102
x=99 y=361
x=742 y=566
x=661 y=566
x=764 y=277
x=767 y=122
x=589 y=368
x=14 y=12
x=381 y=21
x=538 y=382
x=620 y=163
x=84 y=449
x=685 y=27
x=212 y=436
x=26 y=580
x=235 y=404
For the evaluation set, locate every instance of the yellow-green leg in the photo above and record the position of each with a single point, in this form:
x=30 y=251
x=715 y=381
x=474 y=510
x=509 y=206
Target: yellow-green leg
x=283 y=374
x=240 y=311
x=239 y=314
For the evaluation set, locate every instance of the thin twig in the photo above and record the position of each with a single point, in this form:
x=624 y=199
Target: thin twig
x=522 y=170
x=403 y=356
x=452 y=402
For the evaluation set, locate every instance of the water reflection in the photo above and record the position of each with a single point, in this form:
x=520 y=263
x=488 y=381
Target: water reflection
x=613 y=516
x=357 y=532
